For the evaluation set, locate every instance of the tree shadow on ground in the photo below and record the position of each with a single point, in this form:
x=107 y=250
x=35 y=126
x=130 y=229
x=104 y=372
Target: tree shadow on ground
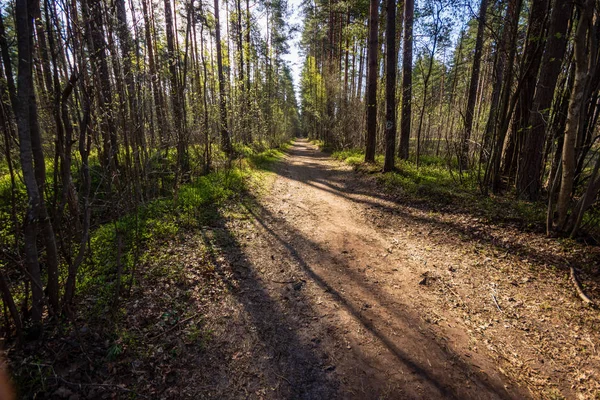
x=282 y=326
x=342 y=182
x=435 y=368
x=289 y=365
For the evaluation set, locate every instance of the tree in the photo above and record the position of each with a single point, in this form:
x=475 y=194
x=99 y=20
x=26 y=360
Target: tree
x=534 y=45
x=583 y=66
x=371 y=103
x=530 y=160
x=225 y=138
x=26 y=128
x=390 y=87
x=473 y=85
x=407 y=54
x=502 y=113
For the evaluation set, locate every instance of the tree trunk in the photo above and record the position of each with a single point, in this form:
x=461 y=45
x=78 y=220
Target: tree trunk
x=372 y=69
x=96 y=37
x=530 y=162
x=25 y=94
x=390 y=87
x=576 y=103
x=225 y=138
x=534 y=46
x=472 y=95
x=407 y=54
x=502 y=117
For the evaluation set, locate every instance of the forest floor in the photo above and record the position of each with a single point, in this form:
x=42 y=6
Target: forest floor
x=322 y=287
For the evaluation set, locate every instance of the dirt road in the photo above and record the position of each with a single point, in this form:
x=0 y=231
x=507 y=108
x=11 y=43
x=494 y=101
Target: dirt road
x=340 y=303
x=315 y=285
x=337 y=292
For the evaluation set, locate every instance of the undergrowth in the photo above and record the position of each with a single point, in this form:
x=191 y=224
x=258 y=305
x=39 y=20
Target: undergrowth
x=138 y=255
x=196 y=204
x=438 y=183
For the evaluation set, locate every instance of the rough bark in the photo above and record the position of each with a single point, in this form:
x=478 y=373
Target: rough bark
x=502 y=117
x=534 y=45
x=407 y=53
x=473 y=85
x=371 y=104
x=390 y=87
x=576 y=103
x=225 y=138
x=23 y=22
x=530 y=162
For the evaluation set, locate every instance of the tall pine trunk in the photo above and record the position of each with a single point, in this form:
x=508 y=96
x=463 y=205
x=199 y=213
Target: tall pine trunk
x=472 y=96
x=25 y=95
x=529 y=173
x=371 y=103
x=225 y=138
x=390 y=87
x=576 y=104
x=407 y=55
x=530 y=64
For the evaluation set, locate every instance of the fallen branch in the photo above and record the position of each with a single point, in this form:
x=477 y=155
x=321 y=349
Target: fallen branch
x=99 y=385
x=178 y=324
x=579 y=289
x=496 y=301
x=283 y=282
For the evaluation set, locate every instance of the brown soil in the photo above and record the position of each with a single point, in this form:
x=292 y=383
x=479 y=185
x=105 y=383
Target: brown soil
x=323 y=288
x=389 y=301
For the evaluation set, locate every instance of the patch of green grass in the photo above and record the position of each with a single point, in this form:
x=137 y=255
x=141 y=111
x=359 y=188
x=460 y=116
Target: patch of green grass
x=352 y=157
x=198 y=335
x=554 y=394
x=317 y=142
x=432 y=177
x=160 y=221
x=438 y=182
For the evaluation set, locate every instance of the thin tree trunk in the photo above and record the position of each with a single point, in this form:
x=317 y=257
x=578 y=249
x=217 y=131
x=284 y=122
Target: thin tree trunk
x=576 y=103
x=530 y=163
x=409 y=6
x=371 y=104
x=25 y=94
x=530 y=65
x=473 y=86
x=225 y=138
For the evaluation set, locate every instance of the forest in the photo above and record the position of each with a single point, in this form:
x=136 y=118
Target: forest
x=300 y=199
x=505 y=94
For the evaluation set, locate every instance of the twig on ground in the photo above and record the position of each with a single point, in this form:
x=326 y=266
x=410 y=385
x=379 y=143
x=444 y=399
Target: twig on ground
x=282 y=282
x=496 y=301
x=183 y=321
x=579 y=289
x=494 y=297
x=99 y=385
x=284 y=378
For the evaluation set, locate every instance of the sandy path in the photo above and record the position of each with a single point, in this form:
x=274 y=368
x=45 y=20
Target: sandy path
x=340 y=305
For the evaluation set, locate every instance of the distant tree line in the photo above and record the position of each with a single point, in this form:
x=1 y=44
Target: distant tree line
x=109 y=104
x=507 y=91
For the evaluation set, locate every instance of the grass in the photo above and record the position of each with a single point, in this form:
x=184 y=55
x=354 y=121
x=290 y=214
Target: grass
x=156 y=221
x=154 y=224
x=438 y=183
x=149 y=237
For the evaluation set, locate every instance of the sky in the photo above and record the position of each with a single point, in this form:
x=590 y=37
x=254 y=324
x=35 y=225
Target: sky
x=294 y=59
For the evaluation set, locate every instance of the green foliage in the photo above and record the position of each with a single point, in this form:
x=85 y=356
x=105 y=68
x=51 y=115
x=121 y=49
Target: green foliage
x=354 y=157
x=160 y=221
x=438 y=183
x=312 y=96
